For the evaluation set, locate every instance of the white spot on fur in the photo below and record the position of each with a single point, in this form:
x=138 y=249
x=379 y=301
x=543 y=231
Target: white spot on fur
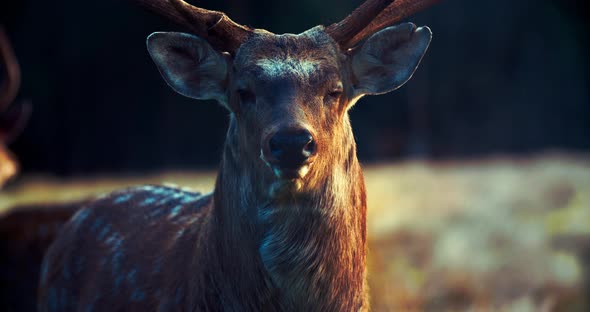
x=275 y=68
x=303 y=171
x=179 y=234
x=80 y=216
x=175 y=211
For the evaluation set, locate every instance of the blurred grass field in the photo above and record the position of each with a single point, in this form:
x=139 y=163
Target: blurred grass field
x=499 y=234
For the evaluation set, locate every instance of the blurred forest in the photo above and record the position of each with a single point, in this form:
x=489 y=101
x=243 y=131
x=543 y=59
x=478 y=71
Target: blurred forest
x=501 y=77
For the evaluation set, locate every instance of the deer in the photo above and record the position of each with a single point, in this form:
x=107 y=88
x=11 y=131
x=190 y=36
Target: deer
x=285 y=227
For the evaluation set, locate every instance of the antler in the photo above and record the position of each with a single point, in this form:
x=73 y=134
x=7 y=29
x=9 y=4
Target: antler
x=8 y=128
x=371 y=16
x=215 y=27
x=12 y=72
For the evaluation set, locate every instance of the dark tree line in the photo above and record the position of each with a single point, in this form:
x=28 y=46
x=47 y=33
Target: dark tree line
x=505 y=76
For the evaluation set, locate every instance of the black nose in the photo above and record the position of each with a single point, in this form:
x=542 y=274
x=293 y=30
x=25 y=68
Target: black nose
x=291 y=148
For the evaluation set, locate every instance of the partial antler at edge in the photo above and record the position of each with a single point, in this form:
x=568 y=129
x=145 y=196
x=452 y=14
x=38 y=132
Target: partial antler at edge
x=11 y=83
x=215 y=27
x=372 y=16
x=357 y=20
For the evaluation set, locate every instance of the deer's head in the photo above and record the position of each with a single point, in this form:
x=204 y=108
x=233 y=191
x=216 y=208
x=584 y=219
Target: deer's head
x=289 y=94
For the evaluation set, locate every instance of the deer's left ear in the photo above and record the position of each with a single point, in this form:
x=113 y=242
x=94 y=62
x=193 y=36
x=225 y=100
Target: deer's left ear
x=189 y=65
x=388 y=58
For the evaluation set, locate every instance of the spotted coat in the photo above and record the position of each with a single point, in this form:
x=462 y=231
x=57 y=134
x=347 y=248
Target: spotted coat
x=107 y=243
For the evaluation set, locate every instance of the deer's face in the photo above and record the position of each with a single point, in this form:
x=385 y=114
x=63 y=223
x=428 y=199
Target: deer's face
x=289 y=94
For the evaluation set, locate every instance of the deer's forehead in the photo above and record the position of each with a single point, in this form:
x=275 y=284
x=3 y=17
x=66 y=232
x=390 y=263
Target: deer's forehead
x=271 y=68
x=306 y=55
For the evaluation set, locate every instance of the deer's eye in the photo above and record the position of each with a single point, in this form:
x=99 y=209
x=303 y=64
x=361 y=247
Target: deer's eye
x=335 y=93
x=246 y=96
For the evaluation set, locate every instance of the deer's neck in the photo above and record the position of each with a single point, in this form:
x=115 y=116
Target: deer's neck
x=310 y=248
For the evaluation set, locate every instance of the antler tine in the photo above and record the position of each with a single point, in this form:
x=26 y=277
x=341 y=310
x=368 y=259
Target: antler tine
x=365 y=23
x=12 y=72
x=357 y=20
x=215 y=27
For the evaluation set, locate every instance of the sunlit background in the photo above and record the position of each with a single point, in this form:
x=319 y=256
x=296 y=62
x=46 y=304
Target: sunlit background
x=477 y=170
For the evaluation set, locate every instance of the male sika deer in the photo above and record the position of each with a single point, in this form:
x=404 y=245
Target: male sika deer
x=284 y=229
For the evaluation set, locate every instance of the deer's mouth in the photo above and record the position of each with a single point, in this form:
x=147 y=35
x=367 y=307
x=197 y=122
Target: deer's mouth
x=288 y=180
x=290 y=173
x=287 y=172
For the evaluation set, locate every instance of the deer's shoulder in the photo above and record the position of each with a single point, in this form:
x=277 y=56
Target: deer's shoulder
x=138 y=213
x=142 y=204
x=117 y=241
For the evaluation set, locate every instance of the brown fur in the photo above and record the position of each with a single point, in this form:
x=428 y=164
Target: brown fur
x=260 y=242
x=241 y=248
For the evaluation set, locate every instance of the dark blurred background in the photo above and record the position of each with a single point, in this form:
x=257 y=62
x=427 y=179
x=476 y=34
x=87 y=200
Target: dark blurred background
x=501 y=77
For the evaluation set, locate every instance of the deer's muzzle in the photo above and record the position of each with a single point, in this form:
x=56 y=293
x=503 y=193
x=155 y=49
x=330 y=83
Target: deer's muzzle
x=289 y=152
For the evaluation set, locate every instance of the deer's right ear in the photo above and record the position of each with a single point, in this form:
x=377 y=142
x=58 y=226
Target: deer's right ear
x=388 y=58
x=189 y=65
